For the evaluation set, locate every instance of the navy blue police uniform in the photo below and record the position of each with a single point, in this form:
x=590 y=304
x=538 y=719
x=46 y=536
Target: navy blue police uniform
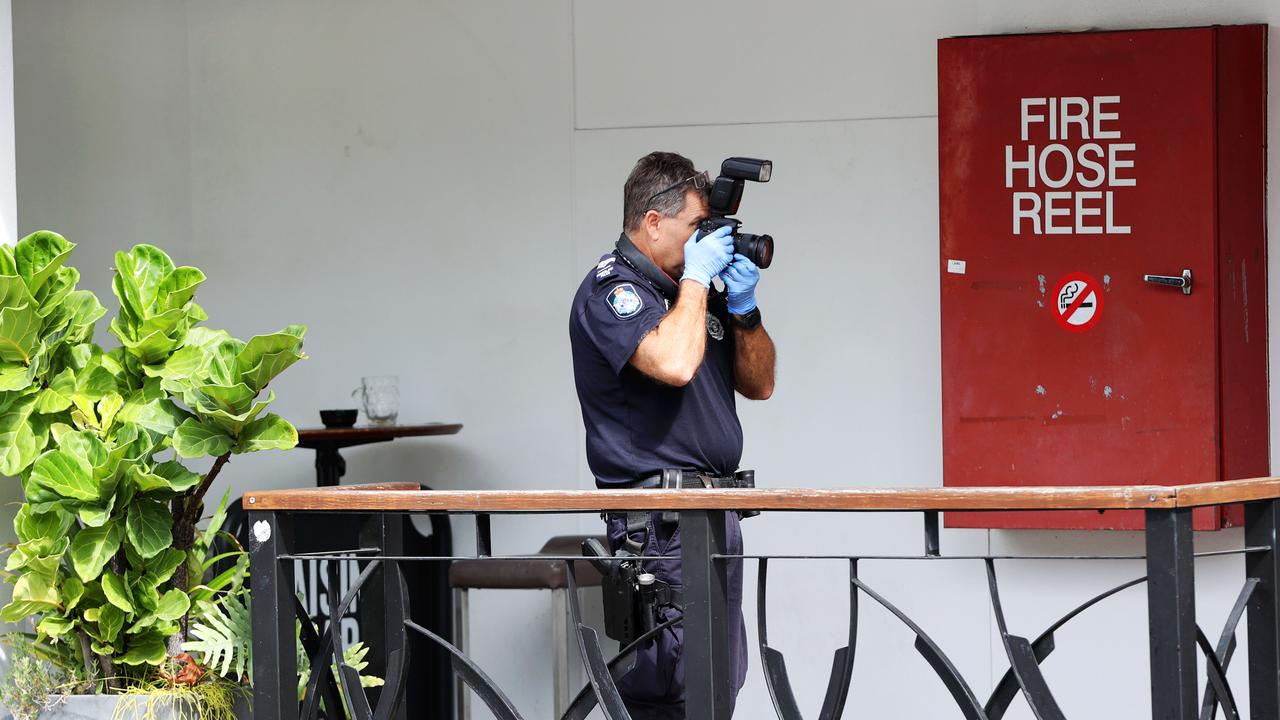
x=636 y=427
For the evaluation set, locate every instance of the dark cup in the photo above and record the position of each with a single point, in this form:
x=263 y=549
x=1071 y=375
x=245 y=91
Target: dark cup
x=338 y=418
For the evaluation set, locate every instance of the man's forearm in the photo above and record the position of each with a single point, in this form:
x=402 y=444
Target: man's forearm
x=753 y=362
x=673 y=352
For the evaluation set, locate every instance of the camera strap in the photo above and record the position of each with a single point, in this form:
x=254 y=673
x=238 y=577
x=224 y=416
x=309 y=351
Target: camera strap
x=639 y=262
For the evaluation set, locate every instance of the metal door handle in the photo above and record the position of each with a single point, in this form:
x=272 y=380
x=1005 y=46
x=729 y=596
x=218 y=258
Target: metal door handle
x=1183 y=281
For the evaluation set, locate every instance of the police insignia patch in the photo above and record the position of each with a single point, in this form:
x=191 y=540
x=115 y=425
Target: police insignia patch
x=715 y=328
x=604 y=268
x=624 y=301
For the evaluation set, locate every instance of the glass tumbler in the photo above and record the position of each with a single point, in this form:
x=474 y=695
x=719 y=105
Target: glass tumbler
x=381 y=397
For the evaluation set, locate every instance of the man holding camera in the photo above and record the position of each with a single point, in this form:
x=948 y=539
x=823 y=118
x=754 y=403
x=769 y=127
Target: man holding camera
x=658 y=353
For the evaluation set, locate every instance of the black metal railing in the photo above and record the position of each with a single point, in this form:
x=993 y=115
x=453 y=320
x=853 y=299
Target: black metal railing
x=1175 y=636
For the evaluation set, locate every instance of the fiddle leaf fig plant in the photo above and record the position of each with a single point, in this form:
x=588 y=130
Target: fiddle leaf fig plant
x=108 y=561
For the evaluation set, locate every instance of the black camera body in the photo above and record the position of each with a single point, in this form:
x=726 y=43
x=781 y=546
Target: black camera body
x=724 y=198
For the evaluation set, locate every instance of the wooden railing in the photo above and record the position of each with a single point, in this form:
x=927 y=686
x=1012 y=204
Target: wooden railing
x=1174 y=635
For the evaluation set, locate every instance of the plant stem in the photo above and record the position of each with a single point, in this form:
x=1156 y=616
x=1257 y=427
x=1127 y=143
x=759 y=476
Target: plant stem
x=109 y=673
x=197 y=498
x=90 y=665
x=186 y=511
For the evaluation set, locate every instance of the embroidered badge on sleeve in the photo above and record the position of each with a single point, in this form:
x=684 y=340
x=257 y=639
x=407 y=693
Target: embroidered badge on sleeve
x=624 y=301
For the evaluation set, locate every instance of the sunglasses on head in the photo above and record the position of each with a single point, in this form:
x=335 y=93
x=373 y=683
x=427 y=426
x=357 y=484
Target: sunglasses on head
x=700 y=180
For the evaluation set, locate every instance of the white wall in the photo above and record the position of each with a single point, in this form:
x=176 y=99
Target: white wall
x=9 y=493
x=424 y=184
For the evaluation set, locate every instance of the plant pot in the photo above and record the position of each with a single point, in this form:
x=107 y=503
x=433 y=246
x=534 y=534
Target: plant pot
x=128 y=707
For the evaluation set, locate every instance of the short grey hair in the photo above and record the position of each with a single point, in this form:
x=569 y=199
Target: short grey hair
x=653 y=173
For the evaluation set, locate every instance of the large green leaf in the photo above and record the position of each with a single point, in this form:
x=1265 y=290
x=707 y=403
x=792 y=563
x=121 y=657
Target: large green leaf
x=183 y=366
x=64 y=473
x=158 y=416
x=55 y=626
x=55 y=291
x=145 y=649
x=41 y=556
x=270 y=432
x=145 y=593
x=193 y=440
x=40 y=425
x=32 y=594
x=222 y=362
x=178 y=287
x=84 y=355
x=233 y=424
x=137 y=280
x=173 y=605
x=18 y=447
x=72 y=592
x=289 y=339
x=110 y=622
x=117 y=592
x=162 y=567
x=39 y=255
x=16 y=376
x=234 y=399
x=95 y=383
x=129 y=442
x=84 y=444
x=125 y=286
x=208 y=338
x=92 y=548
x=57 y=396
x=148 y=525
x=107 y=409
x=177 y=476
x=98 y=514
x=266 y=356
x=150 y=265
x=29 y=525
x=84 y=308
x=146 y=481
x=14 y=292
x=154 y=345
x=19 y=333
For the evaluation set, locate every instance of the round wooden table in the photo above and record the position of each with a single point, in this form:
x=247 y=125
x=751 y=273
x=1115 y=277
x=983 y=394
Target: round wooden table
x=330 y=465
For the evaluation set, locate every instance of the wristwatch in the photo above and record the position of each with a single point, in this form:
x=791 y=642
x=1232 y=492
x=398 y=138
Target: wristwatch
x=748 y=321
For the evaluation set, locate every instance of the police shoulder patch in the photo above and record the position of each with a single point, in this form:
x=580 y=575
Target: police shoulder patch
x=624 y=301
x=604 y=268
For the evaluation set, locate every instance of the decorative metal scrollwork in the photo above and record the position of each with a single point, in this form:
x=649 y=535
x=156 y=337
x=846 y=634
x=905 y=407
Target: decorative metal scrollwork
x=1041 y=648
x=475 y=678
x=775 y=666
x=1220 y=659
x=621 y=664
x=606 y=689
x=938 y=660
x=1022 y=659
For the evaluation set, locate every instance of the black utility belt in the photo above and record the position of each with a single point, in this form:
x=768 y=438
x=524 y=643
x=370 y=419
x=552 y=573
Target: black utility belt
x=680 y=479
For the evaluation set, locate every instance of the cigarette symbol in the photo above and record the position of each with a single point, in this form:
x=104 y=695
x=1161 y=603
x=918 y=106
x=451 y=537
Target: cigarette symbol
x=1069 y=293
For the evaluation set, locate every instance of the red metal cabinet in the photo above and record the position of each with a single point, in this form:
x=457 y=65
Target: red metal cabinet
x=1072 y=166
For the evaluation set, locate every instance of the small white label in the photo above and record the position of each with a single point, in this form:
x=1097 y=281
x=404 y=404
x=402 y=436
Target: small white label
x=955 y=266
x=262 y=531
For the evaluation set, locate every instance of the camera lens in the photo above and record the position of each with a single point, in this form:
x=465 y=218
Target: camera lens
x=758 y=248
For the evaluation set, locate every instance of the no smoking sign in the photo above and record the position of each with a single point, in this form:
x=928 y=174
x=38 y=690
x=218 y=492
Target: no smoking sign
x=1077 y=302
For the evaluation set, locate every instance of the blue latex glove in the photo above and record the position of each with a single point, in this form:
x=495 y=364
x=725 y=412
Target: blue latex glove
x=705 y=257
x=740 y=279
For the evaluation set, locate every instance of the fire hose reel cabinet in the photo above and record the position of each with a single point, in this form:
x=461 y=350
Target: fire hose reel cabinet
x=1103 y=264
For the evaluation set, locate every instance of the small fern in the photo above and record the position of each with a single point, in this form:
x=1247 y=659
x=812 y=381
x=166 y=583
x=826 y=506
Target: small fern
x=224 y=636
x=354 y=656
